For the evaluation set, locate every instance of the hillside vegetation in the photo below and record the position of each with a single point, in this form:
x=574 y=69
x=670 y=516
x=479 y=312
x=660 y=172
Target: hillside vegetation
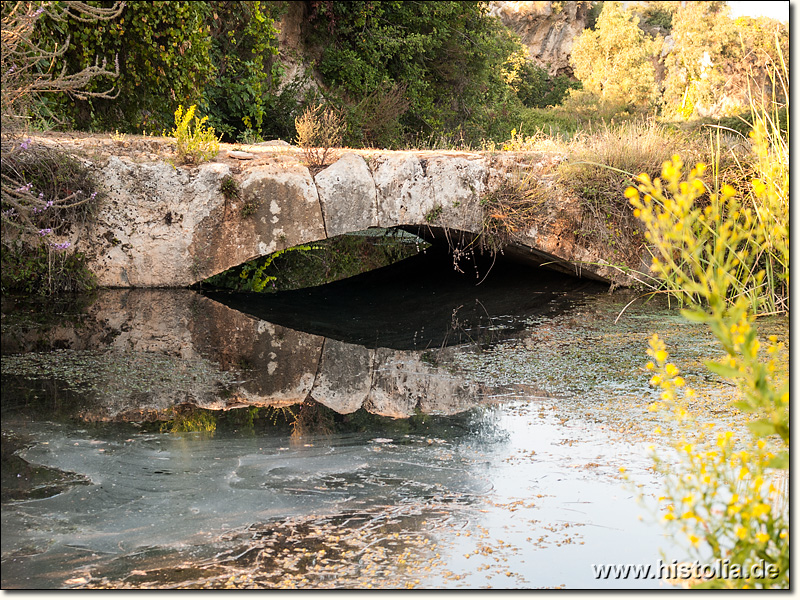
x=400 y=73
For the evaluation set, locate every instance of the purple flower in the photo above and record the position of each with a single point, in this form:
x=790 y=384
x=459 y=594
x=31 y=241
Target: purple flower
x=93 y=195
x=39 y=11
x=61 y=246
x=26 y=143
x=9 y=213
x=44 y=232
x=25 y=188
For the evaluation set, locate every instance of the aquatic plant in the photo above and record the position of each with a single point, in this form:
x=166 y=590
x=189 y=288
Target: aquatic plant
x=190 y=419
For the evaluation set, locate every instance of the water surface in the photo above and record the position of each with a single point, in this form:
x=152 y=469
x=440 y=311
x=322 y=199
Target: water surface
x=388 y=431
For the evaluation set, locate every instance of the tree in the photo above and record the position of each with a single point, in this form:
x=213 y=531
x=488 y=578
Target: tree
x=163 y=52
x=27 y=61
x=449 y=55
x=717 y=60
x=614 y=62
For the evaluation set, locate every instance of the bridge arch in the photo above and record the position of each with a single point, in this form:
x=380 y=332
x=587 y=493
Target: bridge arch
x=163 y=226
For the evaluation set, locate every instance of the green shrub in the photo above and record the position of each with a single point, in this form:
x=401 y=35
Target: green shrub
x=243 y=44
x=375 y=120
x=44 y=269
x=449 y=54
x=162 y=50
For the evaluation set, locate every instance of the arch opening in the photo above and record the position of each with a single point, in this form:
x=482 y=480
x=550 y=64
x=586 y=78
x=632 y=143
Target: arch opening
x=319 y=262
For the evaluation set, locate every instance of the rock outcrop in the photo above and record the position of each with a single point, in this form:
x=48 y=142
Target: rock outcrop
x=547 y=29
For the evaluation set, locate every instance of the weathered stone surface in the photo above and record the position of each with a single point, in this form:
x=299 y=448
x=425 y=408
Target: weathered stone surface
x=343 y=379
x=404 y=194
x=547 y=29
x=348 y=195
x=286 y=212
x=145 y=225
x=456 y=185
x=162 y=226
x=240 y=155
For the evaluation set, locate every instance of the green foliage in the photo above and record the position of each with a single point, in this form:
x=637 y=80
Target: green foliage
x=163 y=52
x=44 y=270
x=315 y=264
x=532 y=84
x=448 y=54
x=190 y=419
x=243 y=45
x=374 y=121
x=614 y=62
x=195 y=140
x=433 y=214
x=229 y=187
x=658 y=14
x=253 y=276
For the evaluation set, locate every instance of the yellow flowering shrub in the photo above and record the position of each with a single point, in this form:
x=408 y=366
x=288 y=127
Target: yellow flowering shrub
x=725 y=255
x=195 y=140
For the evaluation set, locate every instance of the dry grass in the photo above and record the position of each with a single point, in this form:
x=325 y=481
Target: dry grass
x=603 y=161
x=512 y=207
x=319 y=129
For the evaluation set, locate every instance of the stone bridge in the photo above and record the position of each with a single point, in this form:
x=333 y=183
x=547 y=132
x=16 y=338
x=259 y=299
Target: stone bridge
x=166 y=226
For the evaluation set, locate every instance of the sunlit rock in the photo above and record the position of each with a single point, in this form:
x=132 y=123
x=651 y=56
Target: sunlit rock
x=349 y=177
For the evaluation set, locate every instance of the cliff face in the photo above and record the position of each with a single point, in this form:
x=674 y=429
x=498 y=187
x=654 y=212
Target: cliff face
x=547 y=29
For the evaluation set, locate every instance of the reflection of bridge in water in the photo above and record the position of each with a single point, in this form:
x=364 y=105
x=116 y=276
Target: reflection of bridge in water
x=391 y=352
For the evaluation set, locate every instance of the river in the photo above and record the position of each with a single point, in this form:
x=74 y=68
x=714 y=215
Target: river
x=409 y=427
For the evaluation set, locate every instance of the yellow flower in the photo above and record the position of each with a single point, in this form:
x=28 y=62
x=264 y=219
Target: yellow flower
x=694 y=539
x=762 y=537
x=741 y=532
x=671 y=370
x=760 y=509
x=661 y=355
